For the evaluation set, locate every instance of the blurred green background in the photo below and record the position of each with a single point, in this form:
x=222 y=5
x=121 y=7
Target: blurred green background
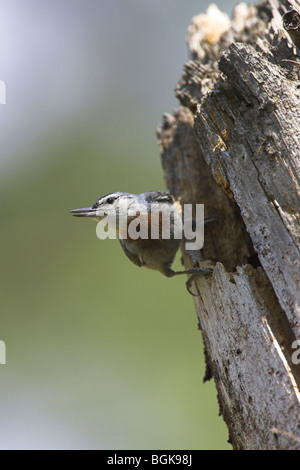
x=100 y=354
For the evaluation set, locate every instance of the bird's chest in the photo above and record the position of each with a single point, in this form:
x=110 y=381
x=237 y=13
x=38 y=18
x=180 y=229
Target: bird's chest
x=151 y=253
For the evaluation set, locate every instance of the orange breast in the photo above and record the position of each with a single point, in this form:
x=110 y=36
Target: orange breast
x=143 y=227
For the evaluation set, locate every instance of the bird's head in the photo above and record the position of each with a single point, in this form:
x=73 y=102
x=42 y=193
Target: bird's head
x=113 y=204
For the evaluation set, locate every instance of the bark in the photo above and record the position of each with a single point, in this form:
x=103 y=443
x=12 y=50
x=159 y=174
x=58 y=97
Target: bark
x=234 y=145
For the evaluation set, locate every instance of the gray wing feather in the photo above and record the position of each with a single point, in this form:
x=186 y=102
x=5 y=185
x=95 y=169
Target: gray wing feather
x=158 y=196
x=133 y=257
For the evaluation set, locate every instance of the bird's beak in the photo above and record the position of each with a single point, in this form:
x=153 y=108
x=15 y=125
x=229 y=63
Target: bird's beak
x=85 y=212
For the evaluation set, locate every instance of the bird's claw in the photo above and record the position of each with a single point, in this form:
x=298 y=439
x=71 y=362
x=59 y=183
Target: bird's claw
x=197 y=272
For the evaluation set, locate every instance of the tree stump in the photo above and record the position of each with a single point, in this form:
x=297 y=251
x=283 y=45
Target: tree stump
x=234 y=145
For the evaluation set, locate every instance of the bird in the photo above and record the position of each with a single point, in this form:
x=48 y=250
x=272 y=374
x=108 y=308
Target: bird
x=137 y=220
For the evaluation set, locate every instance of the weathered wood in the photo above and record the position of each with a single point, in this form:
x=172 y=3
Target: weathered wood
x=234 y=145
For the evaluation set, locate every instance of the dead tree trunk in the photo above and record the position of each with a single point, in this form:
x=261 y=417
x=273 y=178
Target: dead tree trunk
x=234 y=145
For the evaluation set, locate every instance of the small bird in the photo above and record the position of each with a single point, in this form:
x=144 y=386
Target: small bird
x=154 y=252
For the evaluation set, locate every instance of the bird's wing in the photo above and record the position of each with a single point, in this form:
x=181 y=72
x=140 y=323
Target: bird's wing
x=158 y=196
x=132 y=256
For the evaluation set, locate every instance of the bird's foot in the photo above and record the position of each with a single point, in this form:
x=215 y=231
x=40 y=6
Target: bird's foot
x=196 y=272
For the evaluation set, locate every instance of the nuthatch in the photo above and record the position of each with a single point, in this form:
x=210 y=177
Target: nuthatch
x=155 y=252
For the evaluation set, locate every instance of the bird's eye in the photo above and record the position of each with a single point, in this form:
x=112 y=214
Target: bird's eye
x=110 y=200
